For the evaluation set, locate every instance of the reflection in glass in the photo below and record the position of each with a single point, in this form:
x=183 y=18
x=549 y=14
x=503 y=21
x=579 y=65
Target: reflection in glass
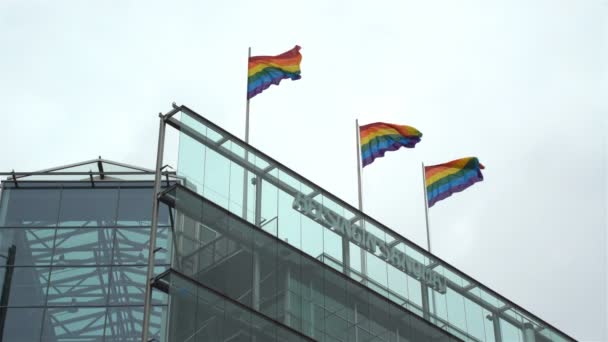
x=78 y=286
x=83 y=247
x=131 y=246
x=16 y=319
x=30 y=207
x=28 y=285
x=88 y=207
x=32 y=247
x=62 y=324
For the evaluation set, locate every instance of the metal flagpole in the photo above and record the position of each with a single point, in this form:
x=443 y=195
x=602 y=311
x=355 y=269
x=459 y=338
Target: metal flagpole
x=359 y=165
x=358 y=141
x=247 y=105
x=245 y=175
x=255 y=286
x=428 y=238
x=426 y=209
x=153 y=228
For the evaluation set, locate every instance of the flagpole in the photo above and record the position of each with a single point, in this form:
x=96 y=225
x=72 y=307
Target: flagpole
x=428 y=233
x=359 y=164
x=426 y=209
x=360 y=196
x=247 y=105
x=246 y=140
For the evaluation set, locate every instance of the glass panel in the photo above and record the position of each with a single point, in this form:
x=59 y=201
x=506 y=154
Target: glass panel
x=127 y=286
x=509 y=332
x=131 y=246
x=74 y=324
x=83 y=247
x=30 y=207
x=28 y=285
x=124 y=324
x=88 y=207
x=135 y=208
x=217 y=178
x=80 y=286
x=235 y=196
x=30 y=247
x=270 y=212
x=209 y=317
x=191 y=159
x=16 y=319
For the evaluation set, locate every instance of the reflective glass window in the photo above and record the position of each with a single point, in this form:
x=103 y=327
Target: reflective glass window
x=30 y=247
x=30 y=207
x=83 y=247
x=131 y=246
x=81 y=207
x=17 y=319
x=127 y=285
x=27 y=287
x=63 y=324
x=124 y=324
x=135 y=208
x=78 y=286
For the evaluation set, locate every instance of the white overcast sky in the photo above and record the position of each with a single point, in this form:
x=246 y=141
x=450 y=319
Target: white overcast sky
x=521 y=84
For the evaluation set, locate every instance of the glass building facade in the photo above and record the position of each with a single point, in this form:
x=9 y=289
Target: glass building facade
x=247 y=250
x=75 y=259
x=314 y=262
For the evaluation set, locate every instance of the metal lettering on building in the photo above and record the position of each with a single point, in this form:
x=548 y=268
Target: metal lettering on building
x=369 y=242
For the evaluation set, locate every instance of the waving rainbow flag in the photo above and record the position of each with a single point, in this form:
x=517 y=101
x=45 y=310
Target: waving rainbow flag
x=445 y=179
x=379 y=137
x=267 y=70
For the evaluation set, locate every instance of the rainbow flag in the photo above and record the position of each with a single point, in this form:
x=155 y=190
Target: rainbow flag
x=267 y=70
x=445 y=179
x=379 y=137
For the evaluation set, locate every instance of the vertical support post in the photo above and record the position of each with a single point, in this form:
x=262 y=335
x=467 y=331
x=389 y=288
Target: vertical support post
x=153 y=229
x=426 y=312
x=356 y=324
x=360 y=197
x=255 y=286
x=529 y=334
x=287 y=308
x=496 y=325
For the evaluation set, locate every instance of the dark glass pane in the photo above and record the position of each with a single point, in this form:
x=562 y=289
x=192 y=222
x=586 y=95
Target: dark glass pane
x=83 y=247
x=74 y=324
x=22 y=324
x=30 y=247
x=27 y=286
x=124 y=324
x=135 y=207
x=131 y=246
x=88 y=207
x=127 y=285
x=30 y=207
x=78 y=286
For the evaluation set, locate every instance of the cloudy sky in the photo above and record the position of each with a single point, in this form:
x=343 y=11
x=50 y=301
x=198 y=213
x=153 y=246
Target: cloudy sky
x=521 y=84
